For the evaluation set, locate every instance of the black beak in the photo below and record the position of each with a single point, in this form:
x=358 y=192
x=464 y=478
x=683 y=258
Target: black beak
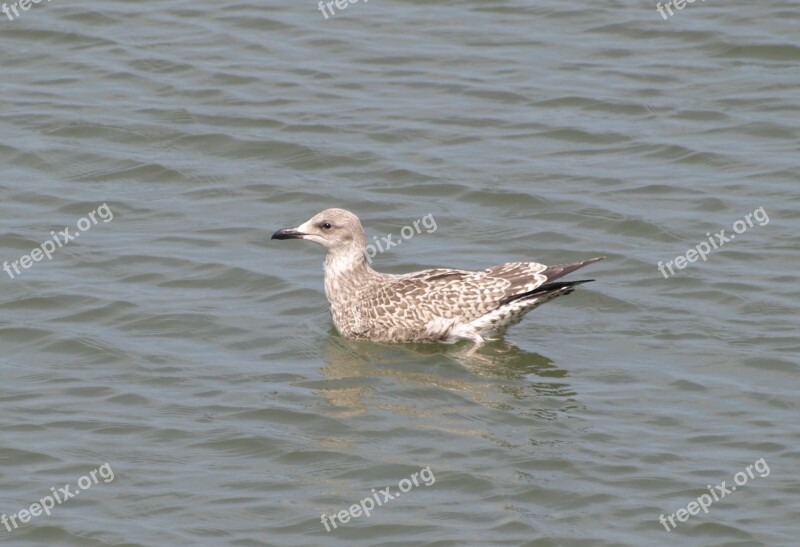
x=288 y=233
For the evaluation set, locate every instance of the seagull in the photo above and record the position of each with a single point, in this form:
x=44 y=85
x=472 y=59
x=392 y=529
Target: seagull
x=437 y=305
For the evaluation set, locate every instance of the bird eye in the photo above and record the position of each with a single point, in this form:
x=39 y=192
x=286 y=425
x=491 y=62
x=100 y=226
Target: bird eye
x=327 y=225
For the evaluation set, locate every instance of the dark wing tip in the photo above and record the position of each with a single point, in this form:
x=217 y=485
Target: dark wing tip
x=548 y=289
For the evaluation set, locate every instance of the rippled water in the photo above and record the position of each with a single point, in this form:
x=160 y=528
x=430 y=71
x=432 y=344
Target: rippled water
x=179 y=345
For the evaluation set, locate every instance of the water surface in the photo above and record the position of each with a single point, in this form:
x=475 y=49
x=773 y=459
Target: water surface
x=181 y=346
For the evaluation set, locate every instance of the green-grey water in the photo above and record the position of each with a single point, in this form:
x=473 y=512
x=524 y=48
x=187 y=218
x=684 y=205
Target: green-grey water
x=179 y=345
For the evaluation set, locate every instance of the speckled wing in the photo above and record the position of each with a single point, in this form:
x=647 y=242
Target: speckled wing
x=454 y=294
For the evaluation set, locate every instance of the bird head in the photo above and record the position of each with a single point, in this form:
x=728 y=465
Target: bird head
x=337 y=230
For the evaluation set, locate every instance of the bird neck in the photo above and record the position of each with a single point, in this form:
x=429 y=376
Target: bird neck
x=346 y=273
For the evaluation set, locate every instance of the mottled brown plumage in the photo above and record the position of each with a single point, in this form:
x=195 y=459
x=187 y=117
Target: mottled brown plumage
x=437 y=305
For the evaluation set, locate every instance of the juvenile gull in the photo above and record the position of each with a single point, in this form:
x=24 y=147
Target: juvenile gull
x=438 y=305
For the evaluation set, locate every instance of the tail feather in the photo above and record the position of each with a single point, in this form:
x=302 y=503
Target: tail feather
x=550 y=288
x=546 y=291
x=555 y=272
